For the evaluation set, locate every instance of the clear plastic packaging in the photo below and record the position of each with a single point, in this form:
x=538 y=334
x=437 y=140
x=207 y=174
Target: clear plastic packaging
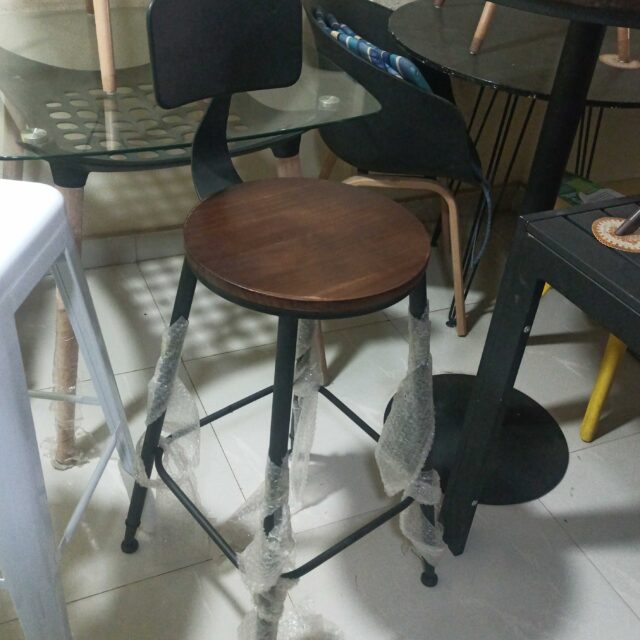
x=405 y=443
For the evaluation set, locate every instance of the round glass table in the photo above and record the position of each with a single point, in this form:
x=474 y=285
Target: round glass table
x=55 y=108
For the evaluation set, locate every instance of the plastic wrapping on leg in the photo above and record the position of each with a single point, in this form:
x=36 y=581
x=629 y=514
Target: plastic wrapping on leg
x=409 y=430
x=405 y=443
x=308 y=378
x=268 y=556
x=180 y=435
x=161 y=384
x=425 y=537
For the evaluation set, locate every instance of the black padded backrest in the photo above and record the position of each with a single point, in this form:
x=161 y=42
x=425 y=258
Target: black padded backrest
x=208 y=48
x=416 y=132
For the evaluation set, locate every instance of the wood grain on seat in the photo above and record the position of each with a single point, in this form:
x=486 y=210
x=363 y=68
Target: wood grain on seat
x=306 y=247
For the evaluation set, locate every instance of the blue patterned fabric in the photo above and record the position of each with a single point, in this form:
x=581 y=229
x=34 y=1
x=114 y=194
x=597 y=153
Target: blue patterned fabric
x=393 y=64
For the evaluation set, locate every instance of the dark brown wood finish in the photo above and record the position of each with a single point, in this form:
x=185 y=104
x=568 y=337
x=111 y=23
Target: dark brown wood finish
x=306 y=247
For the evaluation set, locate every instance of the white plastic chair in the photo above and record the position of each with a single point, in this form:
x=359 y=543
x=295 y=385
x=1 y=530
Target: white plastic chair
x=35 y=238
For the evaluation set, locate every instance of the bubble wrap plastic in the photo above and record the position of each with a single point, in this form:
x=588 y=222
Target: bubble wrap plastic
x=161 y=384
x=267 y=556
x=406 y=441
x=308 y=379
x=181 y=427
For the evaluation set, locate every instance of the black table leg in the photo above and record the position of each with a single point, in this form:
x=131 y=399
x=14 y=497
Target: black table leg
x=566 y=106
x=477 y=451
x=476 y=454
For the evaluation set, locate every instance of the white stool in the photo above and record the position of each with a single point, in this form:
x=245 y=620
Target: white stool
x=35 y=238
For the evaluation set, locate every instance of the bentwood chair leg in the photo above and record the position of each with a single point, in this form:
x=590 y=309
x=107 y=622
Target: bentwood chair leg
x=449 y=209
x=181 y=309
x=613 y=353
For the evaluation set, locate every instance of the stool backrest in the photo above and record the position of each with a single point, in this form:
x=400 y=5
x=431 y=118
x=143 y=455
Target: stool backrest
x=213 y=49
x=208 y=48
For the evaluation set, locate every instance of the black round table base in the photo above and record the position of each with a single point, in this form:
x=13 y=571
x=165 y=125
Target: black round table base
x=531 y=455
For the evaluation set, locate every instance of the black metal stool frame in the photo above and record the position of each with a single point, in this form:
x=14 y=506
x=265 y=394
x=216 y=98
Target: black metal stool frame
x=279 y=441
x=196 y=32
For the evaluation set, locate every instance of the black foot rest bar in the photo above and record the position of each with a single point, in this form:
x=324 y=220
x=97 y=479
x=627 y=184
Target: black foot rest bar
x=215 y=535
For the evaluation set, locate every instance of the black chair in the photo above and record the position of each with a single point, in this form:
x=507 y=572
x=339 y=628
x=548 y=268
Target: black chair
x=300 y=249
x=416 y=137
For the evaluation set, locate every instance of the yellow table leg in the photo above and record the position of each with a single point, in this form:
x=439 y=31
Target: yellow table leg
x=613 y=353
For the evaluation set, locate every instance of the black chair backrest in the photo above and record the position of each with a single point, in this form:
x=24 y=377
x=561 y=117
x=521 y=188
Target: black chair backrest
x=207 y=48
x=213 y=49
x=416 y=132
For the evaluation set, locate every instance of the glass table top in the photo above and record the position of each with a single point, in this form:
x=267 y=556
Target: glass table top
x=52 y=104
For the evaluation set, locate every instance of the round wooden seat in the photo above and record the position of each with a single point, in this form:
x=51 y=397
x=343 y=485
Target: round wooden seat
x=306 y=247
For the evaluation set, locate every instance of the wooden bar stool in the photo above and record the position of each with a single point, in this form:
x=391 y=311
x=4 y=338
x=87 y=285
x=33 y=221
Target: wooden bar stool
x=35 y=238
x=300 y=249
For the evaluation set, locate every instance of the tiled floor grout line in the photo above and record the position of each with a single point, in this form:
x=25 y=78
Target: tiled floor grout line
x=215 y=434
x=195 y=389
x=586 y=555
x=590 y=446
x=127 y=584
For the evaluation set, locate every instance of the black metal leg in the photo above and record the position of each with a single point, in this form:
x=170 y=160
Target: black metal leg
x=565 y=108
x=417 y=307
x=278 y=445
x=418 y=298
x=282 y=397
x=429 y=577
x=515 y=310
x=181 y=309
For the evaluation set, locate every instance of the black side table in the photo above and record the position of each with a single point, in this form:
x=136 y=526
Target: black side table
x=605 y=283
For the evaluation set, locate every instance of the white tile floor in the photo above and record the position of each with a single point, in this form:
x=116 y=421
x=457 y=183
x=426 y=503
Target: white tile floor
x=562 y=568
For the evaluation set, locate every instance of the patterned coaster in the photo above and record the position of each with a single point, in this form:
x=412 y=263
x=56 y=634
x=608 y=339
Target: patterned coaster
x=604 y=230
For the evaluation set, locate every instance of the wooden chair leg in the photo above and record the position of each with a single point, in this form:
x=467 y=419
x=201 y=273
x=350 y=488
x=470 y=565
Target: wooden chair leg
x=624 y=44
x=613 y=353
x=328 y=165
x=65 y=365
x=105 y=45
x=482 y=29
x=449 y=209
x=289 y=167
x=450 y=206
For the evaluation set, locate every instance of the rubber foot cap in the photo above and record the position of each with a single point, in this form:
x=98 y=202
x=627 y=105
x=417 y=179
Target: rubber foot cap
x=130 y=546
x=429 y=579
